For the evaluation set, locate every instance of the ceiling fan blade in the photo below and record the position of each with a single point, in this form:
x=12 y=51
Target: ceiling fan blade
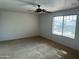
x=43 y=10
x=27 y=2
x=46 y=11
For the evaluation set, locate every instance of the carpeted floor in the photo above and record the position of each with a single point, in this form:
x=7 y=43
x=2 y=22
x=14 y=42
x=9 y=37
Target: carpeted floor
x=34 y=48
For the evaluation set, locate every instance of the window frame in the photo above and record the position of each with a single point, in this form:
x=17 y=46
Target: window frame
x=63 y=25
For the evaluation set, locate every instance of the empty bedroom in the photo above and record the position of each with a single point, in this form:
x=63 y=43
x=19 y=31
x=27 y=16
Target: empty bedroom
x=39 y=29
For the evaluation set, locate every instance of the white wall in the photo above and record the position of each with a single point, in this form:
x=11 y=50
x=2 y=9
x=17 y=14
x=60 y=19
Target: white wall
x=15 y=25
x=46 y=28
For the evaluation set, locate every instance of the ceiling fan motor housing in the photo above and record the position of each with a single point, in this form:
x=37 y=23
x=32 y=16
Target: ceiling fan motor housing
x=38 y=10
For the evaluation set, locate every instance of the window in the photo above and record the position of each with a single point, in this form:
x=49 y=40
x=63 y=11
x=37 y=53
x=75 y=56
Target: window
x=64 y=25
x=57 y=25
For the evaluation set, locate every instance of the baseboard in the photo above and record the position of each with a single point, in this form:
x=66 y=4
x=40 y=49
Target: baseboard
x=30 y=37
x=21 y=38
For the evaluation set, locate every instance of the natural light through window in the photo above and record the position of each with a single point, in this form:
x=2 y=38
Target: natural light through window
x=64 y=25
x=57 y=25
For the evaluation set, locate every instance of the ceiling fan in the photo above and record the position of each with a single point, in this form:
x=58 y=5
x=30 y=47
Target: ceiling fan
x=38 y=10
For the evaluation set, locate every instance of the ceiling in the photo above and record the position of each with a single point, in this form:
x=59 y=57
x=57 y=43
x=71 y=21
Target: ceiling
x=50 y=5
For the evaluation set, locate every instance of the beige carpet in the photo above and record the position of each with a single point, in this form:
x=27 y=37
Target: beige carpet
x=35 y=48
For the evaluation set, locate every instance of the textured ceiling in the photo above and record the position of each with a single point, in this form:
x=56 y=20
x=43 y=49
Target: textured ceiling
x=50 y=5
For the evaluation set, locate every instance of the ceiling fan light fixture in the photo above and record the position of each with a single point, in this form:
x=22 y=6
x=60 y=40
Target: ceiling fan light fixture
x=38 y=10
